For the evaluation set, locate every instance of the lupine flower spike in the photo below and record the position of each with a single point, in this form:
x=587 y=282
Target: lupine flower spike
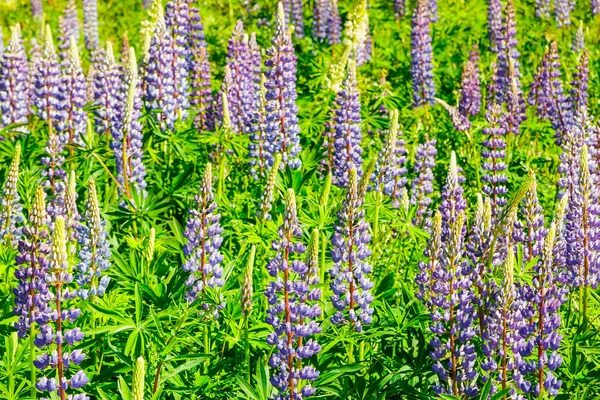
x=281 y=120
x=494 y=20
x=69 y=27
x=90 y=25
x=579 y=86
x=579 y=40
x=14 y=83
x=94 y=253
x=469 y=102
x=31 y=293
x=73 y=127
x=494 y=154
x=422 y=184
x=258 y=146
x=57 y=330
x=247 y=286
x=139 y=372
x=11 y=211
x=47 y=89
x=178 y=23
x=37 y=9
x=422 y=56
x=202 y=255
x=293 y=306
x=347 y=150
x=109 y=94
x=350 y=281
x=562 y=12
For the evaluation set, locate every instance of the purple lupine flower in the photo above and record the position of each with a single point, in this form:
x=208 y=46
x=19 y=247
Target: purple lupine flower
x=433 y=10
x=53 y=337
x=90 y=25
x=178 y=23
x=281 y=111
x=321 y=19
x=68 y=26
x=433 y=254
x=542 y=8
x=108 y=93
x=73 y=126
x=239 y=89
x=201 y=91
x=494 y=20
x=14 y=83
x=258 y=146
x=159 y=79
x=582 y=229
x=470 y=90
x=127 y=143
x=334 y=33
x=422 y=184
x=562 y=12
x=293 y=308
x=203 y=233
x=347 y=131
x=452 y=312
x=48 y=93
x=595 y=7
x=94 y=253
x=389 y=175
x=515 y=103
x=508 y=57
x=37 y=9
x=350 y=281
x=579 y=86
x=294 y=15
x=11 y=210
x=536 y=347
x=399 y=9
x=255 y=84
x=422 y=57
x=54 y=175
x=460 y=122
x=530 y=230
x=579 y=40
x=31 y=293
x=494 y=154
x=570 y=157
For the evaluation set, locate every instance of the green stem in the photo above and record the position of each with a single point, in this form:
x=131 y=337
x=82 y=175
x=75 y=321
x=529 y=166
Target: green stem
x=247 y=349
x=31 y=359
x=206 y=346
x=376 y=222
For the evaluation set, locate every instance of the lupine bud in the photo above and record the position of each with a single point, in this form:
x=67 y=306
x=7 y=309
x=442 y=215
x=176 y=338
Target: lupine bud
x=347 y=135
x=388 y=177
x=422 y=184
x=203 y=233
x=137 y=387
x=59 y=281
x=247 y=288
x=350 y=273
x=281 y=111
x=94 y=253
x=494 y=154
x=69 y=27
x=422 y=56
x=127 y=143
x=73 y=126
x=90 y=24
x=14 y=83
x=266 y=202
x=293 y=306
x=11 y=211
x=31 y=293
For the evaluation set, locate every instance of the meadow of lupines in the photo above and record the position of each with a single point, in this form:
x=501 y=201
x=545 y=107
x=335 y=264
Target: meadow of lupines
x=356 y=199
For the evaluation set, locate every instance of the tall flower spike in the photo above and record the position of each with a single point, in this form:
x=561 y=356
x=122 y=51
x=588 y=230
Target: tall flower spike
x=57 y=330
x=240 y=87
x=90 y=25
x=293 y=306
x=203 y=233
x=579 y=86
x=47 y=89
x=266 y=202
x=109 y=93
x=494 y=154
x=14 y=83
x=159 y=78
x=294 y=16
x=350 y=281
x=508 y=57
x=530 y=230
x=515 y=103
x=428 y=267
x=37 y=9
x=357 y=32
x=127 y=143
x=543 y=8
x=562 y=12
x=347 y=152
x=247 y=286
x=334 y=34
x=200 y=81
x=579 y=40
x=178 y=23
x=321 y=19
x=494 y=21
x=11 y=211
x=422 y=56
x=281 y=111
x=73 y=126
x=389 y=175
x=570 y=157
x=470 y=91
x=31 y=293
x=94 y=252
x=258 y=146
x=422 y=184
x=69 y=27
